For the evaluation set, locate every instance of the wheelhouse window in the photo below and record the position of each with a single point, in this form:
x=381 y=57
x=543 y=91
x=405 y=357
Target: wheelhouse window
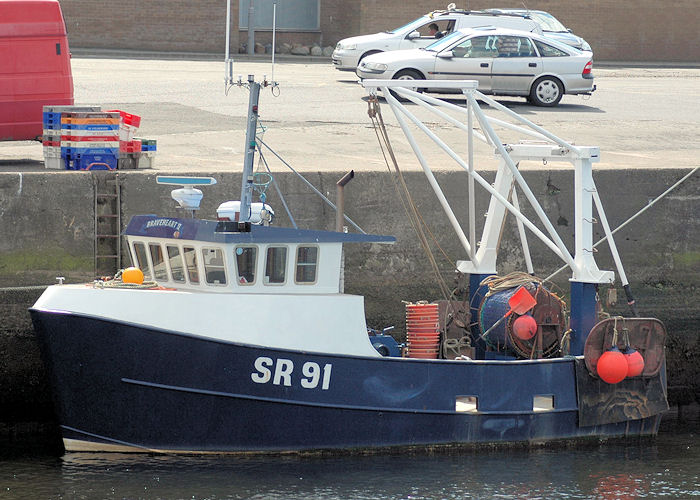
x=275 y=265
x=214 y=267
x=158 y=260
x=191 y=262
x=307 y=260
x=246 y=258
x=177 y=265
x=142 y=258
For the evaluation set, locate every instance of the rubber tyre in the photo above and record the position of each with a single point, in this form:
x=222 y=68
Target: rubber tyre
x=546 y=91
x=406 y=74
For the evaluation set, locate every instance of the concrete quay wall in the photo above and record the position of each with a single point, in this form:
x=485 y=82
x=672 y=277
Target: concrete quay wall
x=47 y=227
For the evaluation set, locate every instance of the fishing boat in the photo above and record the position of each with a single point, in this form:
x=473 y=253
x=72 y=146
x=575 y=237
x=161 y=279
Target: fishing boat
x=234 y=335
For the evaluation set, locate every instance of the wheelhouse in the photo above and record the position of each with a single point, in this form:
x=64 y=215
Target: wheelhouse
x=208 y=256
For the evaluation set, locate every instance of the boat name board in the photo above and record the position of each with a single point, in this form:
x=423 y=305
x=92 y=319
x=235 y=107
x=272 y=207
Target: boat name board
x=171 y=223
x=283 y=373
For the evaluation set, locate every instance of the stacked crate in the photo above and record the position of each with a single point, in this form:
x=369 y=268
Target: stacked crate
x=87 y=138
x=129 y=148
x=52 y=133
x=90 y=141
x=51 y=140
x=148 y=153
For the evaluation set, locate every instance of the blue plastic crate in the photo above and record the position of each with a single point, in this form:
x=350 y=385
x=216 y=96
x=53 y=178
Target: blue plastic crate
x=74 y=153
x=51 y=120
x=148 y=147
x=91 y=126
x=93 y=162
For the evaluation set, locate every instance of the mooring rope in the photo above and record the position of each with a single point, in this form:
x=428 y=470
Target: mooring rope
x=115 y=283
x=517 y=278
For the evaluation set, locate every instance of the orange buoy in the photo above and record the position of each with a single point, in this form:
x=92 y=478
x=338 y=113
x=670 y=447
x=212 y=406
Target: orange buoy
x=612 y=366
x=132 y=275
x=635 y=362
x=525 y=327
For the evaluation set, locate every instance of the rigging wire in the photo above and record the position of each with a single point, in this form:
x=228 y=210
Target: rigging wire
x=640 y=212
x=324 y=198
x=277 y=188
x=375 y=114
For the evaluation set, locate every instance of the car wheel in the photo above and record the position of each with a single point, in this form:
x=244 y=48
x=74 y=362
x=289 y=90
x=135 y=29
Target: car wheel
x=406 y=74
x=546 y=91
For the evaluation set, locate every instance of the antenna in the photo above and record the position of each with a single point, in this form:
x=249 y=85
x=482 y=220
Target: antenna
x=228 y=72
x=188 y=197
x=526 y=7
x=274 y=26
x=228 y=60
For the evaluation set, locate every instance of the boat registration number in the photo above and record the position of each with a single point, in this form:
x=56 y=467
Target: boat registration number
x=281 y=372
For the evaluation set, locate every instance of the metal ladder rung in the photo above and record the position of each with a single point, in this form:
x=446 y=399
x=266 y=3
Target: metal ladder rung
x=107 y=189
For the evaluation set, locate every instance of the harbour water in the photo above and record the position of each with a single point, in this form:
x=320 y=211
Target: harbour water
x=668 y=466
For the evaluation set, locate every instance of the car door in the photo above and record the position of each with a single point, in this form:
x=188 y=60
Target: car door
x=516 y=66
x=471 y=60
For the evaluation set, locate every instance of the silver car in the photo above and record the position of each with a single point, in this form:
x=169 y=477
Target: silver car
x=504 y=62
x=350 y=51
x=551 y=27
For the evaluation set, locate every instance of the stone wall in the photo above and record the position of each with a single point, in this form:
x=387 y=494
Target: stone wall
x=623 y=30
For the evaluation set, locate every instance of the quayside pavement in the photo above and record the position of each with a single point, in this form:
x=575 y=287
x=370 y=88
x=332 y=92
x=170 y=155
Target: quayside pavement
x=640 y=117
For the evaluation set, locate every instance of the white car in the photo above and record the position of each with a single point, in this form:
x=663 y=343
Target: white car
x=551 y=27
x=503 y=62
x=350 y=51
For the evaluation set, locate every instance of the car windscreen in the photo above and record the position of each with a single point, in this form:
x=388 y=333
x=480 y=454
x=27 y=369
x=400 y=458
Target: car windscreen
x=445 y=41
x=547 y=22
x=407 y=28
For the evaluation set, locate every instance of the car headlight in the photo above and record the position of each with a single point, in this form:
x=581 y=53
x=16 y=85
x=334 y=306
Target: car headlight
x=349 y=46
x=374 y=66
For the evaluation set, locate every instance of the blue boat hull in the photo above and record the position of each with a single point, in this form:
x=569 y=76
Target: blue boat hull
x=123 y=384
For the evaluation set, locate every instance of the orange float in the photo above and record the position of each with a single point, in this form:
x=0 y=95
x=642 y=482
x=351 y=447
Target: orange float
x=132 y=275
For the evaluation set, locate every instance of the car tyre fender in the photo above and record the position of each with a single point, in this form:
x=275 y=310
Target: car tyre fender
x=547 y=91
x=368 y=53
x=406 y=74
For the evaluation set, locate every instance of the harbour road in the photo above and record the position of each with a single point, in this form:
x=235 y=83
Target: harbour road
x=316 y=119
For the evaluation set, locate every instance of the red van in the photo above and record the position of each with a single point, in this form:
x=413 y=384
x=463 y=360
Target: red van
x=34 y=65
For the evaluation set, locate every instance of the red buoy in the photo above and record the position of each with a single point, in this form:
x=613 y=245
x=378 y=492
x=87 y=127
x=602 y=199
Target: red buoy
x=635 y=362
x=612 y=366
x=525 y=327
